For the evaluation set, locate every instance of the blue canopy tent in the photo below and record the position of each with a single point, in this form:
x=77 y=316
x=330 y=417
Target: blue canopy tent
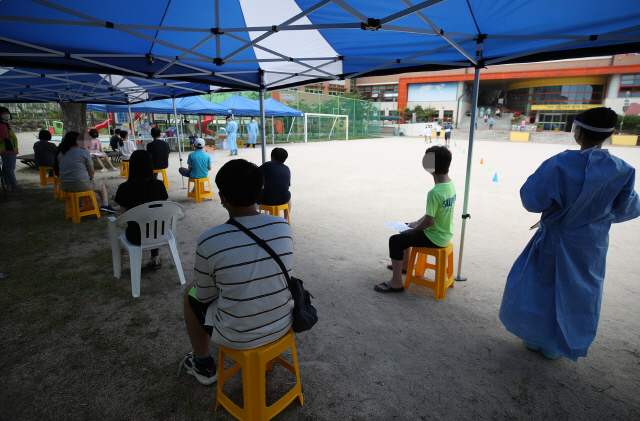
x=193 y=105
x=238 y=105
x=274 y=44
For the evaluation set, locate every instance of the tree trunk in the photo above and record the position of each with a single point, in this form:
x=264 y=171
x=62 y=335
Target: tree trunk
x=74 y=117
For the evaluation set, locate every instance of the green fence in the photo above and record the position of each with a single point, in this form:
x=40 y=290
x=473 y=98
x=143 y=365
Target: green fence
x=364 y=117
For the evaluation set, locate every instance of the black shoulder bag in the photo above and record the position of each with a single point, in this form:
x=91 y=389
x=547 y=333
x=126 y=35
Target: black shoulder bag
x=305 y=314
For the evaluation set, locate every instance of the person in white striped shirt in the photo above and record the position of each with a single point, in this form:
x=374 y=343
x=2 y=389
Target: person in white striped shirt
x=240 y=297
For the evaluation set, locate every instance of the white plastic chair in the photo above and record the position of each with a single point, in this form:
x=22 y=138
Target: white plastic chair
x=157 y=221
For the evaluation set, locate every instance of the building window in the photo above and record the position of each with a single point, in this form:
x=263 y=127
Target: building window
x=395 y=112
x=290 y=89
x=380 y=93
x=522 y=99
x=448 y=114
x=630 y=84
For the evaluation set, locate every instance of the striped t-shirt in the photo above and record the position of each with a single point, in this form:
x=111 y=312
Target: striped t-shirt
x=250 y=305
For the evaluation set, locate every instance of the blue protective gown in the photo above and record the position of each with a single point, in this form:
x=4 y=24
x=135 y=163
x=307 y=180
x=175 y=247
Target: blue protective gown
x=232 y=141
x=252 y=129
x=554 y=290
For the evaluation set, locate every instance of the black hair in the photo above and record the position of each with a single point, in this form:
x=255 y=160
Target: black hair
x=69 y=140
x=279 y=154
x=112 y=132
x=7 y=110
x=240 y=182
x=602 y=118
x=123 y=135
x=140 y=166
x=118 y=131
x=93 y=133
x=443 y=158
x=155 y=132
x=44 y=135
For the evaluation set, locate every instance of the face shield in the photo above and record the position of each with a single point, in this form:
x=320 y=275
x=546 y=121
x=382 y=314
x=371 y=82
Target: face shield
x=576 y=124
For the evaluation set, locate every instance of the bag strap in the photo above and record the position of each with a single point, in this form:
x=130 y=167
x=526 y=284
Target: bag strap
x=259 y=241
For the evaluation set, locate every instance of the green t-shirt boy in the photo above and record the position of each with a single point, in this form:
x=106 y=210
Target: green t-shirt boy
x=440 y=202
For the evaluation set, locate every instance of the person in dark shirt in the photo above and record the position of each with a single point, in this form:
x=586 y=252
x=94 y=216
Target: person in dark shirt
x=45 y=151
x=140 y=188
x=159 y=150
x=277 y=179
x=115 y=139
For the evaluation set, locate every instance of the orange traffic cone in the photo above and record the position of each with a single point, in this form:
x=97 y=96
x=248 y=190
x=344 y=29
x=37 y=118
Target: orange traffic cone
x=481 y=161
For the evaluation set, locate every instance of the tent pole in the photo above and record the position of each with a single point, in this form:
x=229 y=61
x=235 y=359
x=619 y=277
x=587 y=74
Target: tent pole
x=263 y=137
x=175 y=115
x=200 y=124
x=291 y=128
x=273 y=136
x=133 y=132
x=474 y=105
x=347 y=131
x=108 y=126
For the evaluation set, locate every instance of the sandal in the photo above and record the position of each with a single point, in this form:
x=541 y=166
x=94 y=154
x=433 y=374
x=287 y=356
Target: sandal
x=389 y=289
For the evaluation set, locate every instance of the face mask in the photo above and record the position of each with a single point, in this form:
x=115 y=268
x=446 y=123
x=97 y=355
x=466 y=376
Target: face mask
x=5 y=116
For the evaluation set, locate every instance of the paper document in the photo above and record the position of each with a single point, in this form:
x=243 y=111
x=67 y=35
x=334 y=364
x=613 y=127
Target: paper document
x=398 y=226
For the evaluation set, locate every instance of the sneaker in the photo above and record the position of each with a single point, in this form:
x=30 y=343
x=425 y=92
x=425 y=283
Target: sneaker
x=113 y=169
x=107 y=209
x=19 y=188
x=104 y=170
x=205 y=375
x=154 y=263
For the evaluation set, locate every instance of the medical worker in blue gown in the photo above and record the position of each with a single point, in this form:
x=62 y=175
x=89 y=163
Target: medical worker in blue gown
x=554 y=290
x=232 y=141
x=252 y=129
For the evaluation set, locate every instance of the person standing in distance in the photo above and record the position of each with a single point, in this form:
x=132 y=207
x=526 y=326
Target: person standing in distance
x=232 y=140
x=447 y=134
x=253 y=131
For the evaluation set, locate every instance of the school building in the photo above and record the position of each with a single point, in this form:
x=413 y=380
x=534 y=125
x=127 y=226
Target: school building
x=551 y=93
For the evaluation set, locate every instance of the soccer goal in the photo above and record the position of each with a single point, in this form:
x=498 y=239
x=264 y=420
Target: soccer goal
x=324 y=126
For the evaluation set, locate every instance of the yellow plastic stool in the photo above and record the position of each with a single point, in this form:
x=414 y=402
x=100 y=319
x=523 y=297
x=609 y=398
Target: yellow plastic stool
x=254 y=364
x=443 y=268
x=58 y=193
x=199 y=191
x=164 y=177
x=240 y=143
x=72 y=205
x=44 y=179
x=124 y=169
x=275 y=210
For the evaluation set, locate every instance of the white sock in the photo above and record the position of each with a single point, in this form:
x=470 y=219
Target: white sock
x=105 y=204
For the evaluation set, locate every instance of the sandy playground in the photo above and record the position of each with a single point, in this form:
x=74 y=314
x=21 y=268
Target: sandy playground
x=406 y=356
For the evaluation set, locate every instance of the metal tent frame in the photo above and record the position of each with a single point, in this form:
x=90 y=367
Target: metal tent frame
x=256 y=53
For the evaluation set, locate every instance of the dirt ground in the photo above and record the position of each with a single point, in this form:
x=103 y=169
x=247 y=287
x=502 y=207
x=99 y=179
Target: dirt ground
x=371 y=356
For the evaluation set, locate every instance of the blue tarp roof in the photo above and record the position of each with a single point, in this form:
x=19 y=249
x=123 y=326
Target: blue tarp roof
x=196 y=105
x=274 y=44
x=241 y=106
x=193 y=105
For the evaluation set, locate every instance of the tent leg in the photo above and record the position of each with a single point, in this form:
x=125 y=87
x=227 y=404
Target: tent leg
x=273 y=136
x=133 y=132
x=305 y=127
x=263 y=137
x=291 y=128
x=175 y=115
x=474 y=105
